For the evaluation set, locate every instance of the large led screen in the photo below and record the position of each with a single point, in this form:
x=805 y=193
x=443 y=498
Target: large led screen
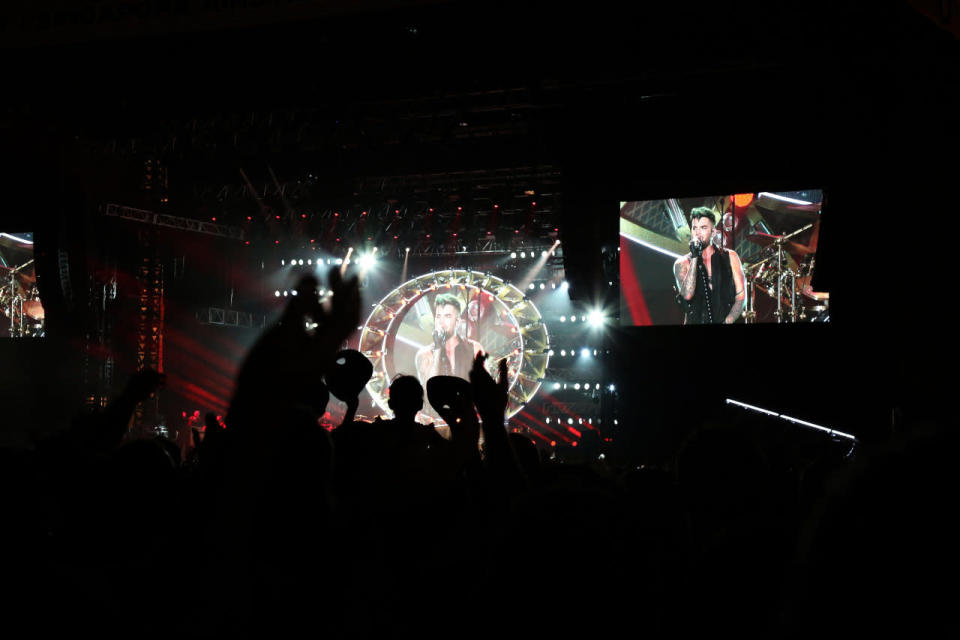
x=743 y=258
x=23 y=314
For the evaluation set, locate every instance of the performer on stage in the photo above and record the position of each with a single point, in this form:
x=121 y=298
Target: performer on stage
x=451 y=354
x=710 y=281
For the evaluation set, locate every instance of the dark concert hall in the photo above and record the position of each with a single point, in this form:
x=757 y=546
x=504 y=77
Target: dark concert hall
x=318 y=321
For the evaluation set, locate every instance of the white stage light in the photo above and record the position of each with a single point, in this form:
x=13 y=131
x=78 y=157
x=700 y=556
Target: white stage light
x=283 y=262
x=564 y=285
x=513 y=254
x=523 y=254
x=612 y=387
x=556 y=385
x=577 y=386
x=596 y=318
x=573 y=318
x=277 y=293
x=532 y=286
x=563 y=318
x=339 y=261
x=585 y=353
x=569 y=420
x=542 y=286
x=563 y=352
x=367 y=261
x=284 y=294
x=293 y=292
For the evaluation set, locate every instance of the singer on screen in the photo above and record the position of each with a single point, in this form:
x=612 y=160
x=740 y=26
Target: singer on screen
x=710 y=282
x=451 y=353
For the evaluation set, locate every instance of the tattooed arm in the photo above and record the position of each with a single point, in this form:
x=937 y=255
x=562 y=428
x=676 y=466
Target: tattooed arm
x=738 y=282
x=685 y=271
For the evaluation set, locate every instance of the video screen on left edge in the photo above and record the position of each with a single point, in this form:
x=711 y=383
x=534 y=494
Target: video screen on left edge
x=758 y=255
x=23 y=314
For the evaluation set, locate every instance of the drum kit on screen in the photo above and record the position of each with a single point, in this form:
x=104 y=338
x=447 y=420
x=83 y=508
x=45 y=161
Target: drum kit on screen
x=786 y=294
x=20 y=301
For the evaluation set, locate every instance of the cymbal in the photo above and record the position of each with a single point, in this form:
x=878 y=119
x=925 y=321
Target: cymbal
x=24 y=277
x=767 y=240
x=10 y=243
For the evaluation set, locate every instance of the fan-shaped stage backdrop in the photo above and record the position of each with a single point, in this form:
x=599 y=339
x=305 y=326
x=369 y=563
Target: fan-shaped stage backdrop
x=405 y=333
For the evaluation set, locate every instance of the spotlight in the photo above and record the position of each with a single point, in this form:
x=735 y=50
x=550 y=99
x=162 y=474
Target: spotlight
x=542 y=286
x=547 y=420
x=532 y=286
x=585 y=353
x=339 y=261
x=577 y=386
x=564 y=285
x=513 y=254
x=553 y=285
x=293 y=292
x=309 y=261
x=563 y=318
x=283 y=262
x=329 y=261
x=612 y=387
x=277 y=293
x=523 y=254
x=596 y=318
x=543 y=254
x=597 y=386
x=556 y=385
x=569 y=420
x=367 y=261
x=583 y=318
x=284 y=294
x=293 y=262
x=573 y=318
x=563 y=352
x=550 y=353
x=408 y=249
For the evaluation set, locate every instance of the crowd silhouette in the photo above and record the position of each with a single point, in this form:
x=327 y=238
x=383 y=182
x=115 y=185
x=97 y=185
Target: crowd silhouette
x=274 y=527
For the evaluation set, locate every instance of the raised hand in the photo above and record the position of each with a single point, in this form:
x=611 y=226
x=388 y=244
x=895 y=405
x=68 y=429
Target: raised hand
x=490 y=396
x=286 y=365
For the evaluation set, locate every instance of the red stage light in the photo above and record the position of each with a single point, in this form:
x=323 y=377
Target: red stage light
x=428 y=235
x=553 y=443
x=336 y=215
x=395 y=211
x=184 y=414
x=278 y=217
x=276 y=242
x=395 y=237
x=312 y=240
x=247 y=242
x=249 y=217
x=454 y=235
x=516 y=230
x=573 y=444
x=459 y=208
x=533 y=204
x=742 y=199
x=213 y=219
x=431 y=209
x=303 y=215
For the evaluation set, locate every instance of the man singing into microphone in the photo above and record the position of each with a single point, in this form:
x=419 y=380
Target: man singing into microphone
x=450 y=354
x=710 y=281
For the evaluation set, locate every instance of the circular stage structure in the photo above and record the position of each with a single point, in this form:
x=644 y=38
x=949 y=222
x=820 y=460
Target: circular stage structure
x=409 y=330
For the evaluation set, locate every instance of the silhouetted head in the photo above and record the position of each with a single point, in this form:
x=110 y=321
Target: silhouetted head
x=406 y=397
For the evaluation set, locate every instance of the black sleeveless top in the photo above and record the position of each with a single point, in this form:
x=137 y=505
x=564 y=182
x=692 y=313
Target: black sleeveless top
x=723 y=294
